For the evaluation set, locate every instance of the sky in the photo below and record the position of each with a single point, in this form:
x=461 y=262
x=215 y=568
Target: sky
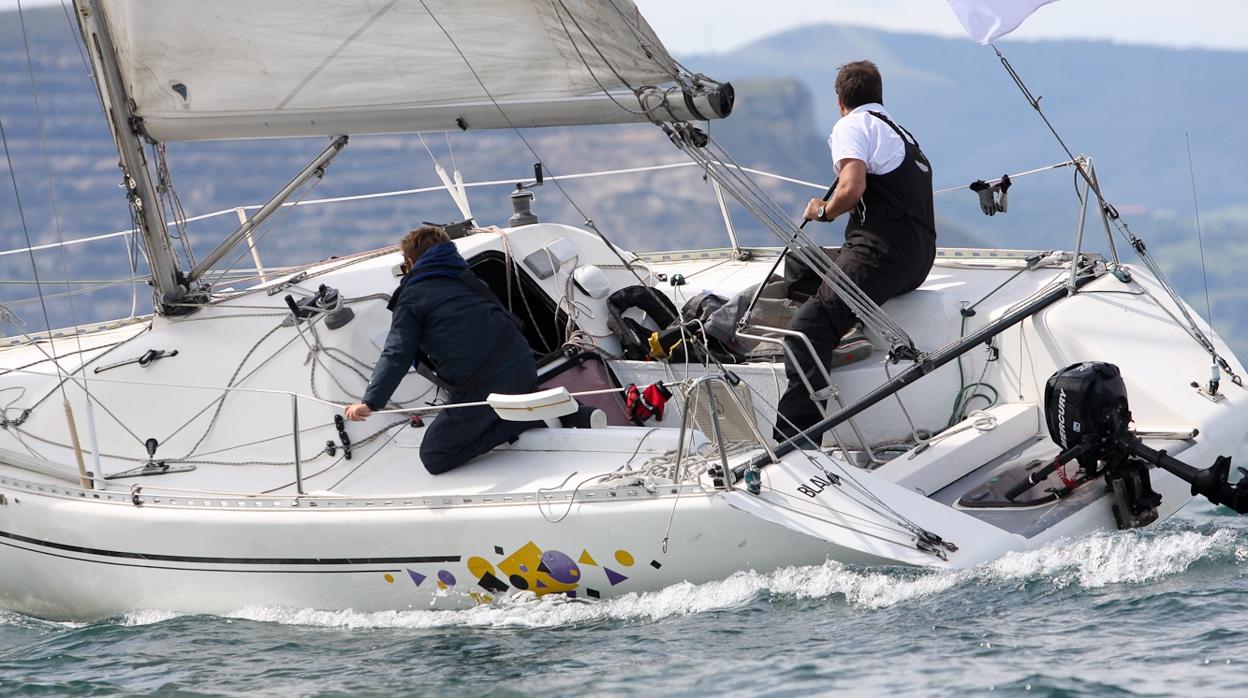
x=714 y=26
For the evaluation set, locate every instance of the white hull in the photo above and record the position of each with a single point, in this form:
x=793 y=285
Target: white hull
x=378 y=533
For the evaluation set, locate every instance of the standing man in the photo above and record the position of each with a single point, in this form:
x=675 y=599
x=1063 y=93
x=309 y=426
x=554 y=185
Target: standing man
x=445 y=314
x=885 y=184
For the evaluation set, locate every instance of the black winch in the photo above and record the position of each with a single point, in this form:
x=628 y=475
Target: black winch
x=1088 y=416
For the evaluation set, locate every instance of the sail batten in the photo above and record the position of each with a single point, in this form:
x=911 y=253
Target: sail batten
x=239 y=69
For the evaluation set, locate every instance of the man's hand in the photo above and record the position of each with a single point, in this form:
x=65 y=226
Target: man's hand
x=357 y=412
x=813 y=208
x=850 y=185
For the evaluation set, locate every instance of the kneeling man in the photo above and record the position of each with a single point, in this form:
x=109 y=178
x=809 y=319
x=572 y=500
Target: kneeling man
x=444 y=314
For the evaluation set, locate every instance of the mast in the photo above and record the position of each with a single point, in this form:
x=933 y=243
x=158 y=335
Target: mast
x=167 y=279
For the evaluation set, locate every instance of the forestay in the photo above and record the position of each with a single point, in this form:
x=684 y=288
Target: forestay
x=241 y=69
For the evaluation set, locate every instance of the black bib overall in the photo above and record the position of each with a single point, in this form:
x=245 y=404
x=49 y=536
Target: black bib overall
x=890 y=244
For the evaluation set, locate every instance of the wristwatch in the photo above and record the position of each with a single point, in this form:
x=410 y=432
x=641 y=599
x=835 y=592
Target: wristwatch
x=820 y=212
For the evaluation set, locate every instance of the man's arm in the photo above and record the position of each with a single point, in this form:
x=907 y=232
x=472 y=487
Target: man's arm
x=849 y=189
x=402 y=347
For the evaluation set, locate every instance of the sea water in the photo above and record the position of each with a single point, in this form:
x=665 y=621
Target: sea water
x=1158 y=612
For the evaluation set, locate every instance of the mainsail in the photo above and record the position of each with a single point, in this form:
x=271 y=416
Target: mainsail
x=187 y=70
x=199 y=70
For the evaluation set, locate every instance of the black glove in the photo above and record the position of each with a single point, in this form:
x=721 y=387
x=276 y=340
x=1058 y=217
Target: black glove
x=987 y=203
x=1004 y=187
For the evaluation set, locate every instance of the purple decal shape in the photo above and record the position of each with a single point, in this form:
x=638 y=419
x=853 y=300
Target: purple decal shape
x=446 y=578
x=540 y=584
x=560 y=567
x=613 y=576
x=417 y=577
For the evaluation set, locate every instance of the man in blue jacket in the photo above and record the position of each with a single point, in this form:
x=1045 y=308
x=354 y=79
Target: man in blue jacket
x=444 y=315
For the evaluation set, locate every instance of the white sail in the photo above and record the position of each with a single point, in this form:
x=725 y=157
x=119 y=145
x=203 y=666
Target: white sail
x=237 y=69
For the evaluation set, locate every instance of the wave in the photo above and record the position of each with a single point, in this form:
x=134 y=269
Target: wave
x=1093 y=562
x=1097 y=561
x=1118 y=558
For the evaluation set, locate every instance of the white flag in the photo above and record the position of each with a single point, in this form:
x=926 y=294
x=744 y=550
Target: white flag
x=988 y=20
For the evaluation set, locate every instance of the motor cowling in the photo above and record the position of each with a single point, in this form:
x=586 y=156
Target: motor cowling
x=1087 y=403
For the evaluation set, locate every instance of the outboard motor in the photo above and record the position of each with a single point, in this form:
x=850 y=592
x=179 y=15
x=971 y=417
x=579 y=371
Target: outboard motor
x=1087 y=413
x=1088 y=416
x=1086 y=404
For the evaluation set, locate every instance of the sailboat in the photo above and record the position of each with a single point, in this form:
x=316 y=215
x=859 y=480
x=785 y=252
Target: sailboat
x=198 y=461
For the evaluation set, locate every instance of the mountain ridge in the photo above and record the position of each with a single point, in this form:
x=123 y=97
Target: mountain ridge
x=952 y=94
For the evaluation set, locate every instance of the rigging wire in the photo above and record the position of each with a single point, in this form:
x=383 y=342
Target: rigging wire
x=82 y=54
x=1191 y=170
x=1112 y=216
x=759 y=203
x=53 y=197
x=21 y=213
x=173 y=203
x=269 y=228
x=589 y=223
x=763 y=207
x=129 y=234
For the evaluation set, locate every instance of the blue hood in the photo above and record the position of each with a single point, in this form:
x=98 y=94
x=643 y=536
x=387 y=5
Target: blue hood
x=441 y=260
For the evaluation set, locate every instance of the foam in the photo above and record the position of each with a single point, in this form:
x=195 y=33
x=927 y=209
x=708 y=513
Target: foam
x=150 y=617
x=1116 y=558
x=1092 y=562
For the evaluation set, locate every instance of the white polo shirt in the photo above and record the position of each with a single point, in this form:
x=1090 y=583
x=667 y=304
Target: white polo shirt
x=861 y=136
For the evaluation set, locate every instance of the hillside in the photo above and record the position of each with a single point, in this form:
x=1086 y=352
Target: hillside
x=1128 y=106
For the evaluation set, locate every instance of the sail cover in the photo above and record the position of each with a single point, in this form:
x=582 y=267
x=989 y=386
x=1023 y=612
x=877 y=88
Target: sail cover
x=200 y=70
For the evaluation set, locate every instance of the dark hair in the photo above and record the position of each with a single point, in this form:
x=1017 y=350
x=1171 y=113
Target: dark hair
x=417 y=242
x=859 y=83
